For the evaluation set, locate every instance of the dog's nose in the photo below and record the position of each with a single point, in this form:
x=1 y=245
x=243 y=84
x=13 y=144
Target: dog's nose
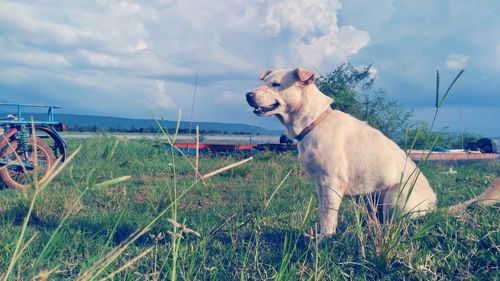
x=250 y=95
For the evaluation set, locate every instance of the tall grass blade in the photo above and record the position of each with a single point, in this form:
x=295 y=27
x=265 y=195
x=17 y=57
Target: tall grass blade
x=113 y=181
x=437 y=88
x=128 y=264
x=20 y=240
x=268 y=202
x=451 y=86
x=52 y=174
x=53 y=236
x=228 y=167
x=95 y=270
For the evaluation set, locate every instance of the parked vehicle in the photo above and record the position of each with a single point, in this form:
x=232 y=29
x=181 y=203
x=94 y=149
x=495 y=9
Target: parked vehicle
x=28 y=147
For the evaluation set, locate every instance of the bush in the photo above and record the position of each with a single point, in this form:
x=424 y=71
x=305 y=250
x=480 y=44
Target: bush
x=352 y=90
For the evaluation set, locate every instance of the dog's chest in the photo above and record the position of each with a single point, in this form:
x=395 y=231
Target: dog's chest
x=317 y=160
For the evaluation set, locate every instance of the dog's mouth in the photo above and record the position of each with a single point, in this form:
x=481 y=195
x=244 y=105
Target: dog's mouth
x=261 y=110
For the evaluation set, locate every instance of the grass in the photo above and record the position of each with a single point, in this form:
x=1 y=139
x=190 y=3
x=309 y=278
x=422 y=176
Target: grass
x=130 y=211
x=256 y=221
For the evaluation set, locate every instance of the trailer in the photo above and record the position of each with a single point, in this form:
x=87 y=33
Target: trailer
x=451 y=155
x=216 y=148
x=416 y=155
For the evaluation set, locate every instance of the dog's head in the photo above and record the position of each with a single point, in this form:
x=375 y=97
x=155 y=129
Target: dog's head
x=282 y=91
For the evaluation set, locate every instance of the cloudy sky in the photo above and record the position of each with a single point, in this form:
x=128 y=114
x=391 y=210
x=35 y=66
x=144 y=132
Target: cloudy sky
x=126 y=58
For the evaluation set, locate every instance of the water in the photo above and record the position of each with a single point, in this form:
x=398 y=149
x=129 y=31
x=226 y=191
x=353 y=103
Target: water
x=234 y=139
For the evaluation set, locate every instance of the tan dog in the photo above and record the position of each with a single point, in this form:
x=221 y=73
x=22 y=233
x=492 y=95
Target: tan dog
x=343 y=155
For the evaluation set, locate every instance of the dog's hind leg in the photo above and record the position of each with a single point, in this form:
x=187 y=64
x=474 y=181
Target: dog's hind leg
x=416 y=200
x=330 y=194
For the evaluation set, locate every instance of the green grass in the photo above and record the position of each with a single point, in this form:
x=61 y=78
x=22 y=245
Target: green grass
x=241 y=237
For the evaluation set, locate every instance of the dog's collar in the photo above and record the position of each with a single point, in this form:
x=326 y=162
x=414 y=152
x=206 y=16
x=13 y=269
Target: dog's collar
x=313 y=125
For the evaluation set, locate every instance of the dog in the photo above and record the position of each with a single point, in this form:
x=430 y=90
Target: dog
x=343 y=155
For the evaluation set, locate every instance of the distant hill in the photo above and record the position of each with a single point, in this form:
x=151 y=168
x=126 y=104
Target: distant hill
x=76 y=122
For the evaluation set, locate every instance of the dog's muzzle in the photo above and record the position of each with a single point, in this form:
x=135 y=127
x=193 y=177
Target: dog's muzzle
x=259 y=109
x=250 y=98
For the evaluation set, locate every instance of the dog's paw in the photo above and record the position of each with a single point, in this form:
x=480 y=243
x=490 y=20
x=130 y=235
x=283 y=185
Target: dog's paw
x=324 y=240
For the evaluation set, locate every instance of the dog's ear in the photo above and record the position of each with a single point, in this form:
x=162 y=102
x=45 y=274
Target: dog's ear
x=264 y=74
x=305 y=76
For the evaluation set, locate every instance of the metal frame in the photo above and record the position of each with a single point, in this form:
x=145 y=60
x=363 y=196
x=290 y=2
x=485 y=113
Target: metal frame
x=11 y=126
x=20 y=121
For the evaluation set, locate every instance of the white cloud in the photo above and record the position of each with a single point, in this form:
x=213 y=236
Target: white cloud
x=34 y=26
x=94 y=82
x=302 y=16
x=317 y=39
x=128 y=58
x=189 y=34
x=37 y=58
x=161 y=98
x=81 y=43
x=456 y=61
x=100 y=60
x=140 y=46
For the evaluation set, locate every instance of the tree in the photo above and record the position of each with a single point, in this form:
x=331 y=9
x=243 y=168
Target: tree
x=353 y=93
x=418 y=137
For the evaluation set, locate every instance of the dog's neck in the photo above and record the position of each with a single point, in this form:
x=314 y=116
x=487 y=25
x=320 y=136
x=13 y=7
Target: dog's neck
x=313 y=105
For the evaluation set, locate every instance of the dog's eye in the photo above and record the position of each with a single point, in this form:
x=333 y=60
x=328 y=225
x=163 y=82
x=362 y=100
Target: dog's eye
x=275 y=85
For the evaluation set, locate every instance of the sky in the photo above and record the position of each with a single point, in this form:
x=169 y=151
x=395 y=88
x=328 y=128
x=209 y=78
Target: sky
x=141 y=58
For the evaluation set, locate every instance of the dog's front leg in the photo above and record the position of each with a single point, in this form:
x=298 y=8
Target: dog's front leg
x=330 y=194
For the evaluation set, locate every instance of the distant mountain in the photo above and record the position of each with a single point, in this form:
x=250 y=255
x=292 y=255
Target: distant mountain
x=76 y=122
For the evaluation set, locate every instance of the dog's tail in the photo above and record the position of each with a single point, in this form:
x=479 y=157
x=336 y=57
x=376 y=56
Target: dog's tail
x=489 y=197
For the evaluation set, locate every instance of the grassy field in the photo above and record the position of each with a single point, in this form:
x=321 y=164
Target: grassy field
x=254 y=221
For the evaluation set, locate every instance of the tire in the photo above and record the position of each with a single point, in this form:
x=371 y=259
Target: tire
x=15 y=177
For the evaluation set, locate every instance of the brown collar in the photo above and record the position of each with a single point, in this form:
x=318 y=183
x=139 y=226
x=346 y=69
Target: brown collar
x=313 y=125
